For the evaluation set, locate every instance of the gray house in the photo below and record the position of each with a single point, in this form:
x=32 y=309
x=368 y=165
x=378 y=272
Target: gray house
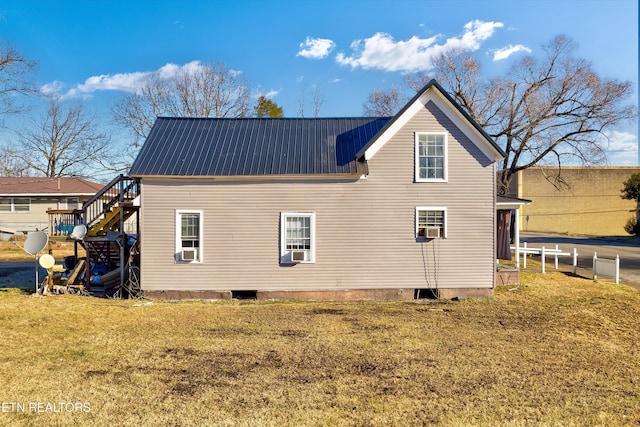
x=340 y=208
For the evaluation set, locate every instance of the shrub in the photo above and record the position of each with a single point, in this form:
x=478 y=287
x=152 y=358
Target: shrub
x=632 y=227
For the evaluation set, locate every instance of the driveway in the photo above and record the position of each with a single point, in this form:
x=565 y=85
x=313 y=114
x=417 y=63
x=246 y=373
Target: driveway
x=628 y=250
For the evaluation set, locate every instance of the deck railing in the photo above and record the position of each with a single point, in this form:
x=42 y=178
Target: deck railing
x=62 y=221
x=121 y=189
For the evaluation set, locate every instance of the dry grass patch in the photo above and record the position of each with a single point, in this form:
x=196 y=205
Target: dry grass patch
x=557 y=350
x=10 y=252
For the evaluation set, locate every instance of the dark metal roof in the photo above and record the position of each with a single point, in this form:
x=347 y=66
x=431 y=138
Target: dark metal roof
x=185 y=147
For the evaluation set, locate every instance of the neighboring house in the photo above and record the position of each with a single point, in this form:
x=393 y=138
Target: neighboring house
x=584 y=201
x=320 y=208
x=24 y=201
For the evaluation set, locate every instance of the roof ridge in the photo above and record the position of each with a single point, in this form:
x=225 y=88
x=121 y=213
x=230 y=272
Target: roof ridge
x=276 y=118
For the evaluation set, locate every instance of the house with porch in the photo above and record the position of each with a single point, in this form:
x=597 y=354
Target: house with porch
x=320 y=208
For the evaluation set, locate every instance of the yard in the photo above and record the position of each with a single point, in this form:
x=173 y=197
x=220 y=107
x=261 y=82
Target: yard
x=556 y=350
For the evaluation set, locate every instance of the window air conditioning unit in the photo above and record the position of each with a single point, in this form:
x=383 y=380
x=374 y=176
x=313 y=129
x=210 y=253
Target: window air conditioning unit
x=298 y=256
x=433 y=233
x=189 y=254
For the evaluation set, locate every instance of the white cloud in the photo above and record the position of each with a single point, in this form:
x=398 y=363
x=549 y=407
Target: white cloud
x=382 y=52
x=269 y=94
x=622 y=148
x=509 y=50
x=622 y=141
x=313 y=48
x=124 y=82
x=52 y=88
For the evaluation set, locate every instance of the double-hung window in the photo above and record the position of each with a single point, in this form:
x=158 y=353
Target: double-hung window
x=431 y=223
x=188 y=236
x=431 y=157
x=15 y=204
x=297 y=237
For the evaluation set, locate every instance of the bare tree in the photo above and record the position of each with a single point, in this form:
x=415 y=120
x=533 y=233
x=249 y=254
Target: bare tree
x=549 y=110
x=15 y=73
x=11 y=164
x=64 y=142
x=382 y=102
x=317 y=99
x=203 y=91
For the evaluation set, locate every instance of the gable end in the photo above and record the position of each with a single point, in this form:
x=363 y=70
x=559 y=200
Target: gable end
x=435 y=93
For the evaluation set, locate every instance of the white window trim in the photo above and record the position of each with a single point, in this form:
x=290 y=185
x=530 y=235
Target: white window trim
x=178 y=230
x=416 y=165
x=285 y=257
x=432 y=208
x=12 y=205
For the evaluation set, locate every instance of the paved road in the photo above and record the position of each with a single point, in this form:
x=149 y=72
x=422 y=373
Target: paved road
x=605 y=248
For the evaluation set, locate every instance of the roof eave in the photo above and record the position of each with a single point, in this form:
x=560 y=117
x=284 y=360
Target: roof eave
x=280 y=177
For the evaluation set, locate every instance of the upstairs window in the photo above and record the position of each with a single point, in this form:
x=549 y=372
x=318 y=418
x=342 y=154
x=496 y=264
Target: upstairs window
x=188 y=236
x=297 y=237
x=431 y=223
x=431 y=157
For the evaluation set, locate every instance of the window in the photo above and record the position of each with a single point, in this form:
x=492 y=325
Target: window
x=431 y=157
x=8 y=204
x=189 y=236
x=297 y=237
x=431 y=223
x=72 y=203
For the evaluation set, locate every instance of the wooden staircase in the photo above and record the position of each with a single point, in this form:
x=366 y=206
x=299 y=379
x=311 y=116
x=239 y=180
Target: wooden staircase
x=112 y=220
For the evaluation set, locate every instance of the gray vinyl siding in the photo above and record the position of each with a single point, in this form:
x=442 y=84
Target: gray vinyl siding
x=365 y=228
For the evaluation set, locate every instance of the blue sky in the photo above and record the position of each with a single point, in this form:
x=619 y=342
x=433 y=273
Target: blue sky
x=99 y=50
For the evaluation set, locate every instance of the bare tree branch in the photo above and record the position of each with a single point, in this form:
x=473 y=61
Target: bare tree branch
x=15 y=78
x=317 y=99
x=64 y=142
x=205 y=91
x=382 y=102
x=554 y=106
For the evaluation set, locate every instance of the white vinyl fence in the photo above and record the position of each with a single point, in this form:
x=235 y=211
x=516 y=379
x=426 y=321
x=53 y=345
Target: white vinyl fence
x=544 y=252
x=606 y=267
x=601 y=266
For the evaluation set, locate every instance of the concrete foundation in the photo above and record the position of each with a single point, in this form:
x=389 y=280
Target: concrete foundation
x=321 y=295
x=465 y=293
x=177 y=295
x=339 y=295
x=507 y=276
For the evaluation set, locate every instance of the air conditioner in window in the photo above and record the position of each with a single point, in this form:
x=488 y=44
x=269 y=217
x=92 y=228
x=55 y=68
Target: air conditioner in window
x=298 y=256
x=189 y=254
x=433 y=233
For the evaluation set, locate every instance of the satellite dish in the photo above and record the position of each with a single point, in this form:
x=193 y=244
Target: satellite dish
x=36 y=242
x=79 y=231
x=47 y=261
